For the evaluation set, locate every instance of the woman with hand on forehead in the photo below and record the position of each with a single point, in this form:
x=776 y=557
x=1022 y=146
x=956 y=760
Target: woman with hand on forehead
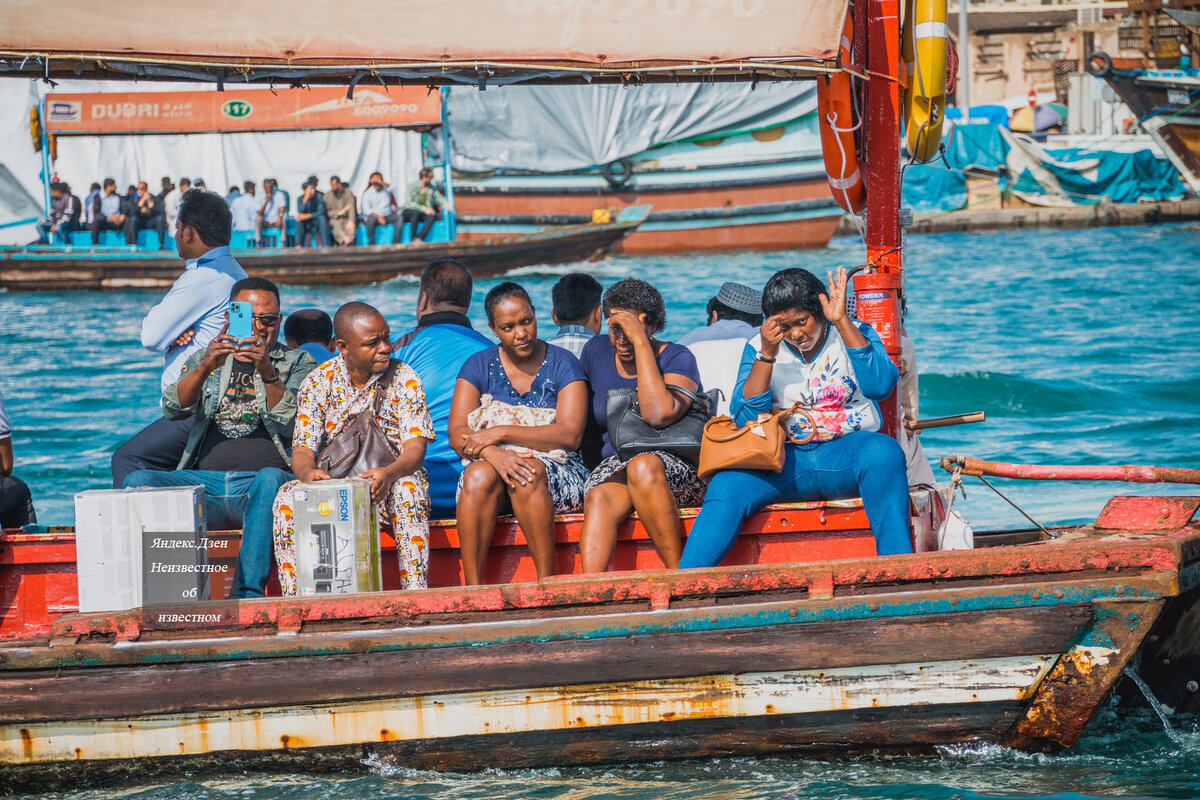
x=810 y=352
x=655 y=484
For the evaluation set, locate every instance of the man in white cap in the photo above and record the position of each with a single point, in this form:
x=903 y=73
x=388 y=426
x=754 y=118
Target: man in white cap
x=734 y=316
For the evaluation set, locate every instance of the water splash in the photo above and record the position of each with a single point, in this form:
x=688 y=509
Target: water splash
x=1172 y=734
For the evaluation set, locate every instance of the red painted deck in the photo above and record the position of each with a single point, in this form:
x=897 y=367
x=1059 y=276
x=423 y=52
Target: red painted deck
x=38 y=583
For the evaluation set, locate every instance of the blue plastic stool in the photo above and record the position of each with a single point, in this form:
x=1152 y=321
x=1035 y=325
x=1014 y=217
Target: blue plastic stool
x=439 y=232
x=360 y=235
x=384 y=234
x=148 y=240
x=271 y=237
x=241 y=240
x=291 y=232
x=171 y=246
x=112 y=239
x=81 y=239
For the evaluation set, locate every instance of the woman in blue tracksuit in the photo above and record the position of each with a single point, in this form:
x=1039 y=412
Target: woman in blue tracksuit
x=808 y=351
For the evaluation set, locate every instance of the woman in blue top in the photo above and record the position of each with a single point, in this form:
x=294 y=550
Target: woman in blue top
x=517 y=416
x=655 y=484
x=809 y=352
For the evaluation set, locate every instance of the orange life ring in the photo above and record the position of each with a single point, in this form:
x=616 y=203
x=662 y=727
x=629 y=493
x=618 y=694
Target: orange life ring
x=837 y=128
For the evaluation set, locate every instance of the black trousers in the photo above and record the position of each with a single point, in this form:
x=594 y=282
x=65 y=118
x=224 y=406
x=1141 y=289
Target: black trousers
x=372 y=223
x=102 y=224
x=418 y=218
x=138 y=222
x=158 y=446
x=16 y=503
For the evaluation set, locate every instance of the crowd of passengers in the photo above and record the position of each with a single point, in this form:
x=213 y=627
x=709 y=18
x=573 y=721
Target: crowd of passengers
x=484 y=429
x=323 y=219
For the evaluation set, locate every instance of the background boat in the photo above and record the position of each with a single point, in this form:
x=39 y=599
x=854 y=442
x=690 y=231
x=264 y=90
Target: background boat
x=65 y=268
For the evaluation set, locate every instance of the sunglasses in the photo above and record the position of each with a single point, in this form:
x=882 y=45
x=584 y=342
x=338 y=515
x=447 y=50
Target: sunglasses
x=269 y=320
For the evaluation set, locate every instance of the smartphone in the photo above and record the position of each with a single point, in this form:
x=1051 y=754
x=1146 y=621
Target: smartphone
x=241 y=320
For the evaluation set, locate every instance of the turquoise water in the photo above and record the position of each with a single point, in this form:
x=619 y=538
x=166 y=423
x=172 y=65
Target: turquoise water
x=1080 y=346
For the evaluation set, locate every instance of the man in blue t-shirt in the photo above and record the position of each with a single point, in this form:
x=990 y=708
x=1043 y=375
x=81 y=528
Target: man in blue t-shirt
x=436 y=349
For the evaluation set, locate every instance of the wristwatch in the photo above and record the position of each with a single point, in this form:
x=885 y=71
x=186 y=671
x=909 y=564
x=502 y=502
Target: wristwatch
x=274 y=379
x=765 y=360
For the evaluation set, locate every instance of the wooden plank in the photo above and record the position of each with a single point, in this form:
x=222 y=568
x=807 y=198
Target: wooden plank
x=115 y=691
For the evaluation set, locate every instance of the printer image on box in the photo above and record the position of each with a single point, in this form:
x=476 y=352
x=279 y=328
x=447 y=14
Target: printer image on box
x=336 y=537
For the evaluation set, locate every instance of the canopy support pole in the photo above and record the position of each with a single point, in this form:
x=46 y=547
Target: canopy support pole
x=451 y=226
x=882 y=157
x=44 y=141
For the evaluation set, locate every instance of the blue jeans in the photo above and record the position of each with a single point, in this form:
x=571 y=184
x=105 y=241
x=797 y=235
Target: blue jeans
x=859 y=464
x=232 y=500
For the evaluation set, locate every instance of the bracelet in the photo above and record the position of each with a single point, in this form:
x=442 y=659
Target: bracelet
x=764 y=359
x=274 y=379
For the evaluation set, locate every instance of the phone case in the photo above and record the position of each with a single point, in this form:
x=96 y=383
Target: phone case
x=240 y=321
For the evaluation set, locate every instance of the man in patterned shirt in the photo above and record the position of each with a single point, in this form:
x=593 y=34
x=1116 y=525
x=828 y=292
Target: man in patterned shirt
x=241 y=397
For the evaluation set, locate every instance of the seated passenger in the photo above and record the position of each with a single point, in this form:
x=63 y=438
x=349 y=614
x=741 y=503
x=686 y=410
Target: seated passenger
x=272 y=210
x=436 y=350
x=655 y=484
x=518 y=414
x=330 y=399
x=423 y=205
x=311 y=222
x=576 y=311
x=734 y=314
x=16 y=501
x=809 y=352
x=108 y=211
x=65 y=209
x=310 y=330
x=244 y=208
x=242 y=398
x=378 y=207
x=145 y=213
x=340 y=211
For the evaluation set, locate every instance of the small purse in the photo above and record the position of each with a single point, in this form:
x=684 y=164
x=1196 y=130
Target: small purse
x=631 y=435
x=756 y=445
x=362 y=445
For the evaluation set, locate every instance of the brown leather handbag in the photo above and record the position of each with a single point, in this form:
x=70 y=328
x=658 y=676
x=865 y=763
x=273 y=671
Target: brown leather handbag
x=362 y=445
x=756 y=445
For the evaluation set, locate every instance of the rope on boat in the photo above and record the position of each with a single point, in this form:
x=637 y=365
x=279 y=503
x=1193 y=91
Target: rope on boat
x=956 y=484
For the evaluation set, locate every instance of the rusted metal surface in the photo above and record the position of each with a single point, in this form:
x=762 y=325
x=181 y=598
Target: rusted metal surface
x=1073 y=472
x=1124 y=513
x=1066 y=700
x=308 y=265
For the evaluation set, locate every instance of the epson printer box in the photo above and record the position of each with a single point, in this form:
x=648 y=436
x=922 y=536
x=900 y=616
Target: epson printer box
x=336 y=537
x=140 y=547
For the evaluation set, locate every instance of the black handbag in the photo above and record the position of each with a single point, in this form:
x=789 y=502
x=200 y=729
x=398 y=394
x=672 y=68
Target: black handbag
x=631 y=435
x=362 y=445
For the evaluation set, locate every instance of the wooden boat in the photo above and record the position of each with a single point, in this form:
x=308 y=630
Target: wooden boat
x=806 y=643
x=63 y=268
x=1162 y=99
x=775 y=199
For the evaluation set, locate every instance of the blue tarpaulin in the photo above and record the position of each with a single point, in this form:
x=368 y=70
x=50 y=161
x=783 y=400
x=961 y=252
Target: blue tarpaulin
x=1059 y=175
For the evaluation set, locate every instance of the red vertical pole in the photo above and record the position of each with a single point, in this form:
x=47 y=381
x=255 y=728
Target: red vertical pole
x=882 y=156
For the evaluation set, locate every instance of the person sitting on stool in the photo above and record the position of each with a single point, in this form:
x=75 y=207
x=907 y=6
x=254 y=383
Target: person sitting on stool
x=423 y=206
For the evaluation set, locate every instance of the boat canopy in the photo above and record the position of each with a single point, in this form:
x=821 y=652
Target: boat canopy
x=238 y=109
x=478 y=42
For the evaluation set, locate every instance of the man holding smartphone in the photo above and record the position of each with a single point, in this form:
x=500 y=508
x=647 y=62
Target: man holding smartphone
x=184 y=322
x=238 y=397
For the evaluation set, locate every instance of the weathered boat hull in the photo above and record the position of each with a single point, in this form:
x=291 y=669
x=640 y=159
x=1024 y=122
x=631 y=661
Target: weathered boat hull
x=1162 y=100
x=65 y=269
x=1013 y=644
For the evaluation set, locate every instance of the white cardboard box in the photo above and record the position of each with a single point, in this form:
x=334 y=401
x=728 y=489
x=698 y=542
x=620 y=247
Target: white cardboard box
x=122 y=534
x=337 y=537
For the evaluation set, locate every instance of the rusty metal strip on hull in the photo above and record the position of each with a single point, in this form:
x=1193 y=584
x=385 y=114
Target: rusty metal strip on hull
x=550 y=708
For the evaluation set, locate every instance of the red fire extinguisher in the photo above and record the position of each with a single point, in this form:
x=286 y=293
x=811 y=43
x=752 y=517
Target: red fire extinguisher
x=877 y=299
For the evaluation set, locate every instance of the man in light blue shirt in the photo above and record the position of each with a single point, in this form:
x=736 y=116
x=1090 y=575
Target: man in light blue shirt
x=575 y=310
x=310 y=330
x=186 y=320
x=271 y=209
x=244 y=208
